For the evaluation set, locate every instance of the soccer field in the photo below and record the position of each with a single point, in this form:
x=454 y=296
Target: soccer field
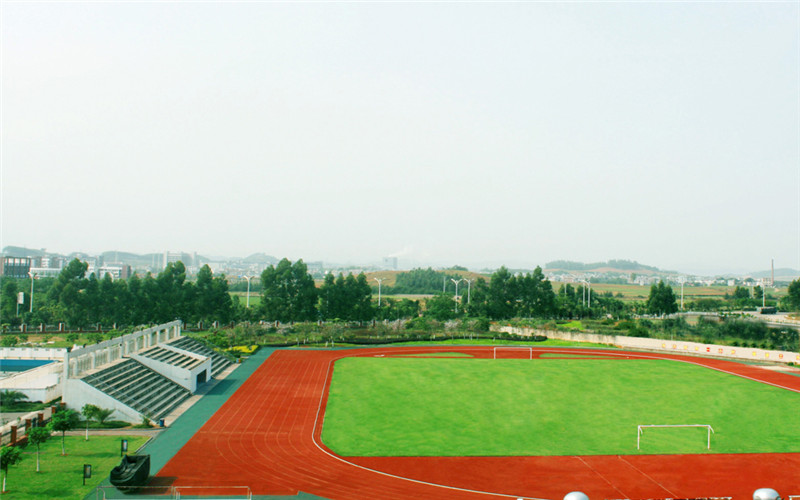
x=549 y=406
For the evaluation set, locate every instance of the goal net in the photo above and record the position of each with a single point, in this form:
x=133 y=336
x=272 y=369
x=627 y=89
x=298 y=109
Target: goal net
x=641 y=428
x=512 y=352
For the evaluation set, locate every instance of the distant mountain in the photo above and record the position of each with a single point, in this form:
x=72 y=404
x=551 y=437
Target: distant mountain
x=12 y=251
x=260 y=258
x=621 y=266
x=781 y=274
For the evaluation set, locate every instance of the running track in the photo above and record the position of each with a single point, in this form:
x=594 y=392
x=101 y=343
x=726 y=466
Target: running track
x=267 y=436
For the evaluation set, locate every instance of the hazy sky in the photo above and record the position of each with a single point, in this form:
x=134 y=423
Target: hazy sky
x=452 y=133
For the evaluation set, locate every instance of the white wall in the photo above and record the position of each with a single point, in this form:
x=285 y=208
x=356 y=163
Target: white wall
x=81 y=393
x=674 y=346
x=32 y=352
x=38 y=384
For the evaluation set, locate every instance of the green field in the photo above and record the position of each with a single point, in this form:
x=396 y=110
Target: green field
x=554 y=406
x=62 y=476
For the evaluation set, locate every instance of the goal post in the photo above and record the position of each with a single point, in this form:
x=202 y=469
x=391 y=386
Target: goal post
x=640 y=431
x=512 y=348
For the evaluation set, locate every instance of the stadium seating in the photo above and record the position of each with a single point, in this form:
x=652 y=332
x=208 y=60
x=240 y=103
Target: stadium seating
x=218 y=362
x=139 y=387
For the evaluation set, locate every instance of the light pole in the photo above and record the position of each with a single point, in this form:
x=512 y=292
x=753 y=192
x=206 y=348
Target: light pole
x=682 y=281
x=33 y=277
x=469 y=286
x=379 y=280
x=455 y=297
x=248 y=278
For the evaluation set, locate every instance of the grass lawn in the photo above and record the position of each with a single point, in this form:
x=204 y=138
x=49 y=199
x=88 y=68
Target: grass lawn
x=62 y=476
x=555 y=406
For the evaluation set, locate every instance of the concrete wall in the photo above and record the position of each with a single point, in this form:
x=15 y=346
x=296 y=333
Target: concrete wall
x=39 y=384
x=32 y=352
x=81 y=393
x=674 y=346
x=182 y=376
x=88 y=358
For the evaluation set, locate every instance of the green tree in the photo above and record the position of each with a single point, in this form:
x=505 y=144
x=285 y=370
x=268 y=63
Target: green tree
x=11 y=398
x=103 y=414
x=36 y=437
x=792 y=299
x=9 y=455
x=440 y=307
x=502 y=294
x=661 y=300
x=8 y=302
x=89 y=412
x=63 y=421
x=289 y=293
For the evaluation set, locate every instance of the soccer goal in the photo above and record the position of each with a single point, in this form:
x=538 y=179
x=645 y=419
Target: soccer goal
x=515 y=350
x=640 y=431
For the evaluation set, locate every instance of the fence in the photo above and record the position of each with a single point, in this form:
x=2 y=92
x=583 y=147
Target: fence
x=16 y=431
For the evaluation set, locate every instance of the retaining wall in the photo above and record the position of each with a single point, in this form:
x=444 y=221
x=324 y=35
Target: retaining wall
x=676 y=346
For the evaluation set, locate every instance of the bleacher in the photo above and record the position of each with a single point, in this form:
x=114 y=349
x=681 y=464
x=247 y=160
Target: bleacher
x=139 y=387
x=163 y=355
x=218 y=361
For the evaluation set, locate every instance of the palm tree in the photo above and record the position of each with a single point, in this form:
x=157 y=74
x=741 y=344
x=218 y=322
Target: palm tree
x=11 y=398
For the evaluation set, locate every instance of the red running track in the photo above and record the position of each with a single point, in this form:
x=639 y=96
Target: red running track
x=267 y=436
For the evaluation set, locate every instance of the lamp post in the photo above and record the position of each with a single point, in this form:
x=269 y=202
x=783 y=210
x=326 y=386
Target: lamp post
x=33 y=277
x=379 y=280
x=248 y=278
x=469 y=287
x=455 y=297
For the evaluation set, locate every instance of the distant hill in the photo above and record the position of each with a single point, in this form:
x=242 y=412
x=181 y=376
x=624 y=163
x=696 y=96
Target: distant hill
x=620 y=266
x=781 y=274
x=260 y=258
x=13 y=251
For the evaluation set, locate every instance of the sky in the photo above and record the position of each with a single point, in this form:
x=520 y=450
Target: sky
x=477 y=134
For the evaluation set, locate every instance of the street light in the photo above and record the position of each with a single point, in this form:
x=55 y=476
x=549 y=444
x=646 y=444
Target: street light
x=379 y=280
x=469 y=287
x=455 y=297
x=33 y=276
x=248 y=278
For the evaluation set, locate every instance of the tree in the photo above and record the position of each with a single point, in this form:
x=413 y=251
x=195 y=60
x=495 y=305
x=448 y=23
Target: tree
x=8 y=302
x=9 y=455
x=792 y=299
x=661 y=300
x=36 y=437
x=289 y=293
x=64 y=421
x=88 y=411
x=102 y=414
x=11 y=398
x=440 y=307
x=502 y=294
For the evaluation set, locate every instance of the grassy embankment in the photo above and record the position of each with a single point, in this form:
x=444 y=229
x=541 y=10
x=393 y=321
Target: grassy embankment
x=62 y=476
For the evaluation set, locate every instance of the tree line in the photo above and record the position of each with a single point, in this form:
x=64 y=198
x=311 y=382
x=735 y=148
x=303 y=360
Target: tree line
x=79 y=300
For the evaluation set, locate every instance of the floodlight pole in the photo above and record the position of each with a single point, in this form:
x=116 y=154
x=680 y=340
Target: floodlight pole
x=455 y=297
x=469 y=286
x=33 y=277
x=379 y=280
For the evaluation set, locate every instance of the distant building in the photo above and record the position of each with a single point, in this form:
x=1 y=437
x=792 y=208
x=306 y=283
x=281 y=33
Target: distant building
x=172 y=257
x=16 y=267
x=390 y=263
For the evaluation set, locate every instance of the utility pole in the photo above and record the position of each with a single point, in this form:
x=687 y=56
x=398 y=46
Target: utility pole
x=33 y=277
x=379 y=280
